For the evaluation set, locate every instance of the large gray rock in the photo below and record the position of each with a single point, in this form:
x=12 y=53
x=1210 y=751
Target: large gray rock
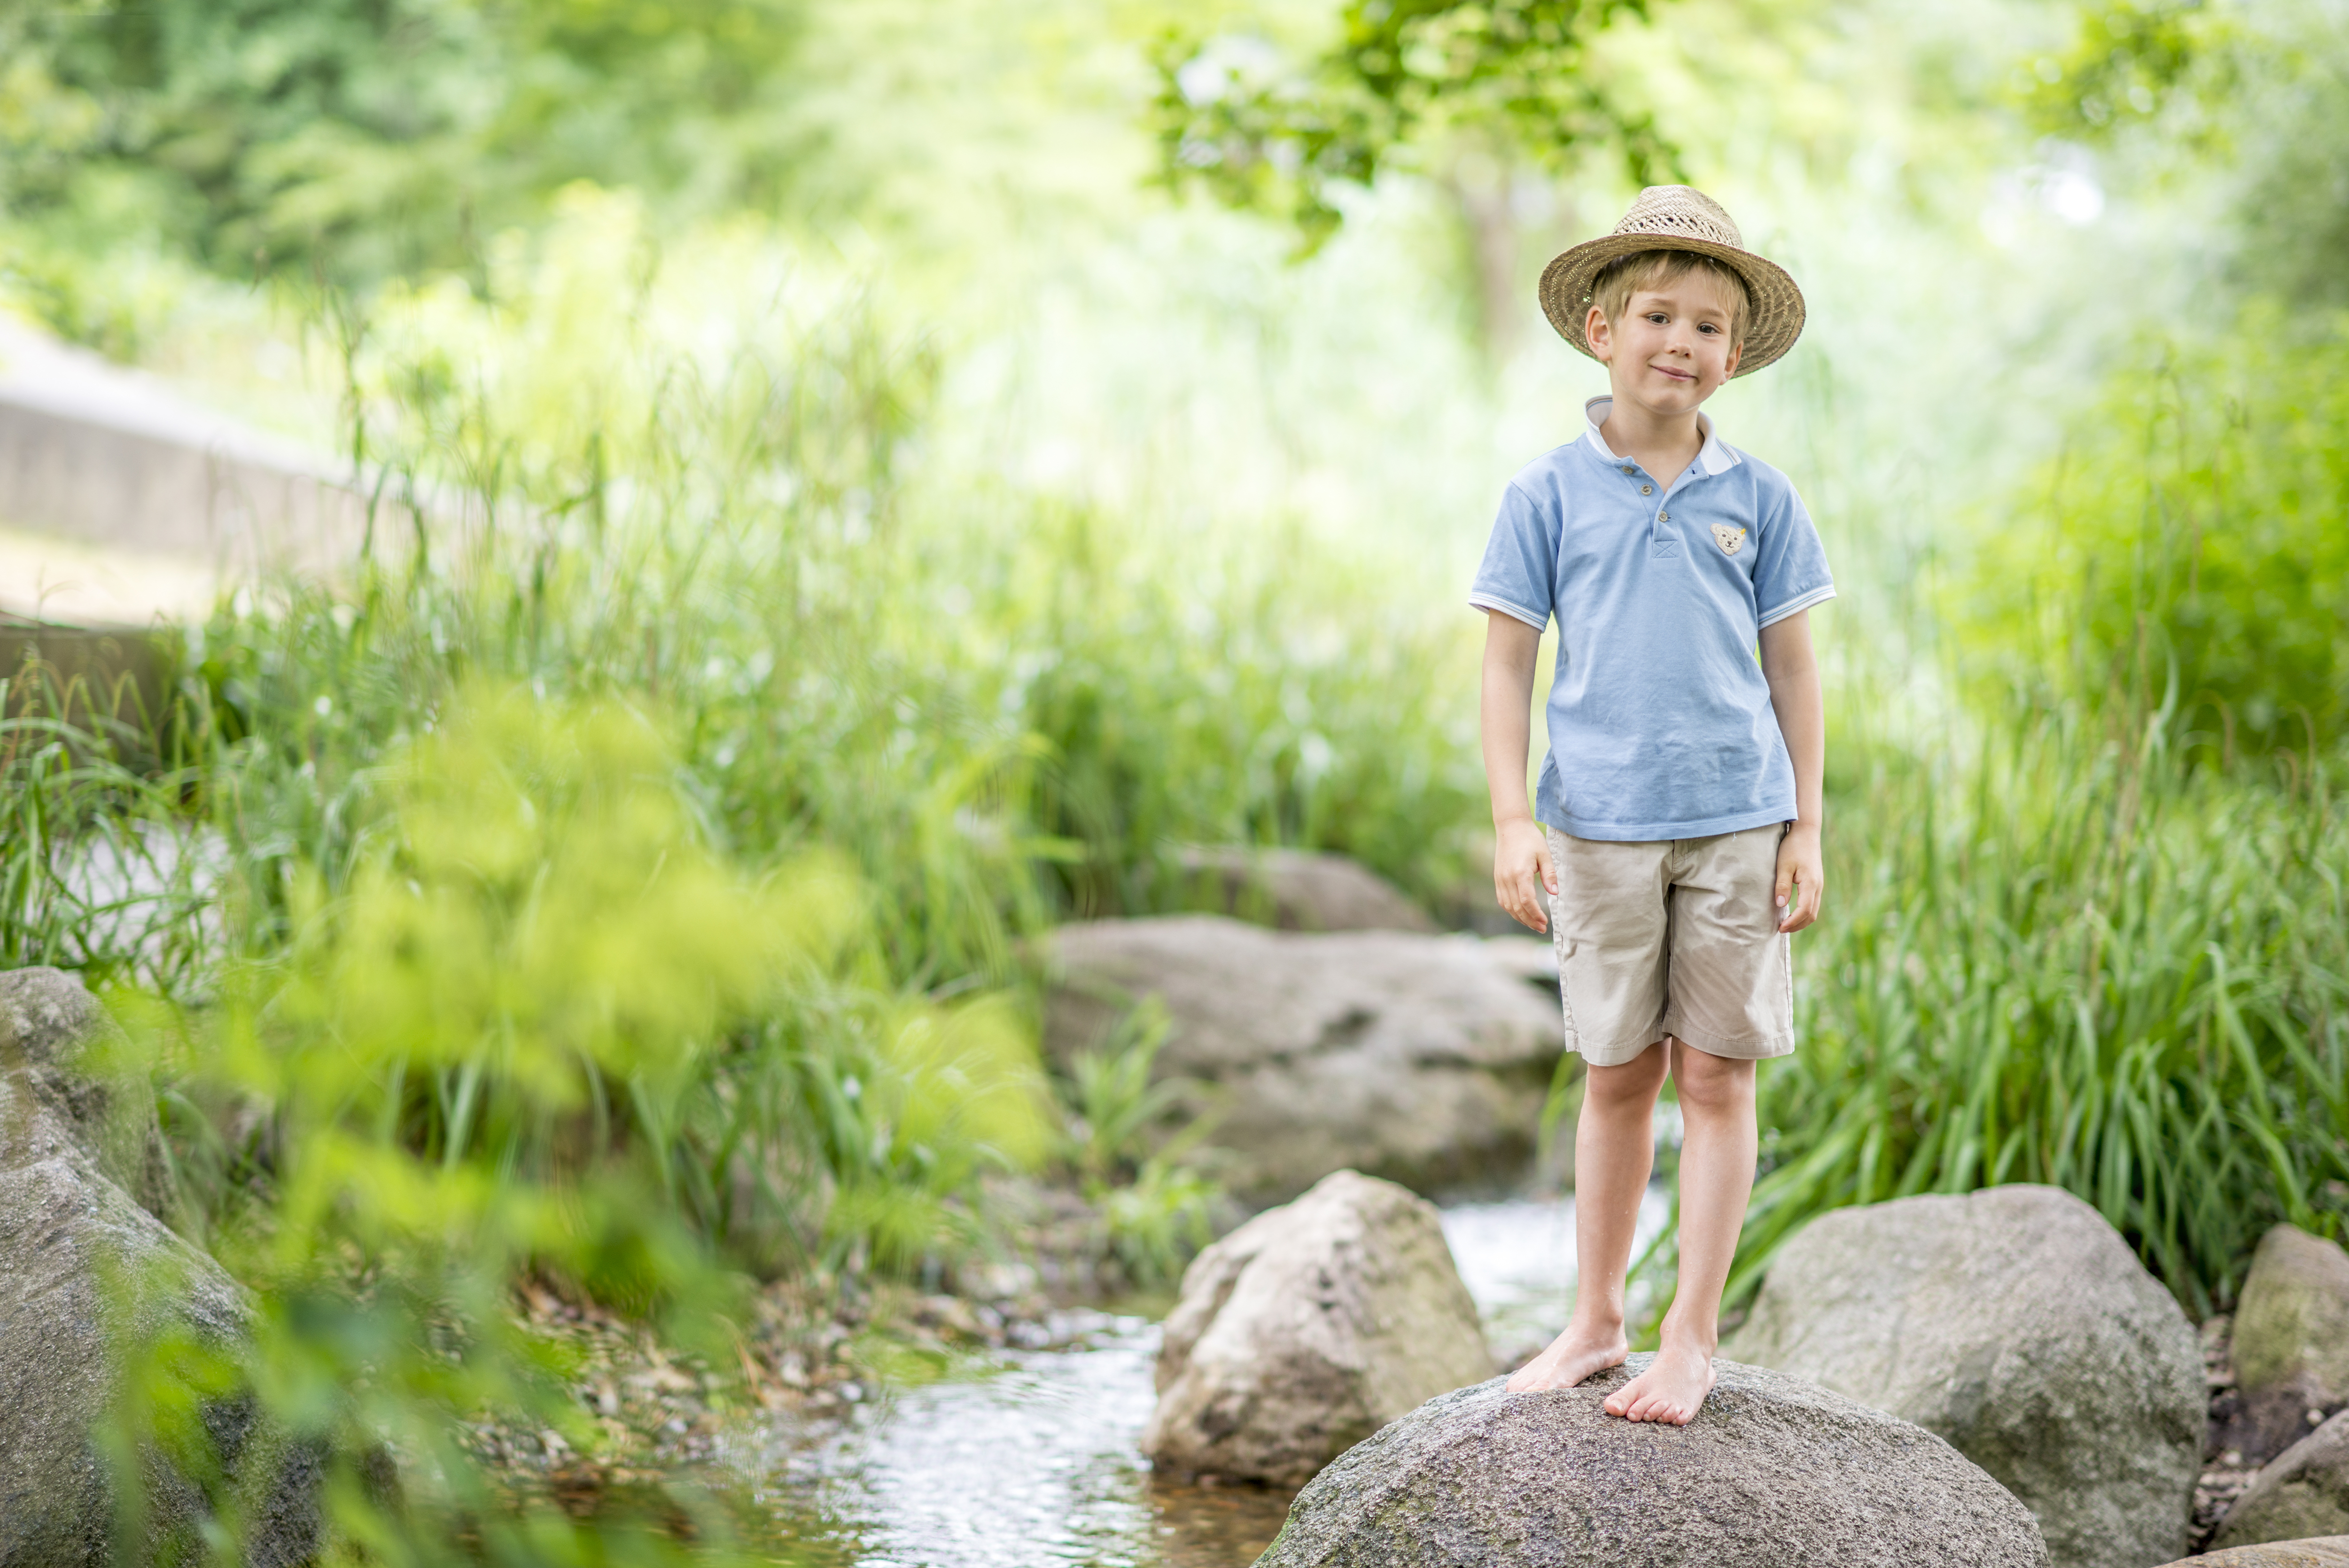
x=87 y=1272
x=2304 y=1492
x=85 y=1084
x=2015 y=1323
x=1308 y=1329
x=2328 y=1552
x=1296 y=890
x=1773 y=1473
x=1423 y=1059
x=2291 y=1341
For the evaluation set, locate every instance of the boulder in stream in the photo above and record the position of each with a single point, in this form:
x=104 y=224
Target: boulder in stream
x=1774 y=1473
x=1308 y=1328
x=1423 y=1059
x=2015 y=1323
x=87 y=1264
x=2304 y=1492
x=2289 y=1342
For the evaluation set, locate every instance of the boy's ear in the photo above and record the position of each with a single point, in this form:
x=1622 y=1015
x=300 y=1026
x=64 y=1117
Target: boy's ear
x=1598 y=334
x=1736 y=353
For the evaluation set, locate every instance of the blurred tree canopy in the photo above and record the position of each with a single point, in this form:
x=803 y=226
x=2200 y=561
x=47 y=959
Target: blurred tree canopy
x=364 y=136
x=2127 y=62
x=1264 y=132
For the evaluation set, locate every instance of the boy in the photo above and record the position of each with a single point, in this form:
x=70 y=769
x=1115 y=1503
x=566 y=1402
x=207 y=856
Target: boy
x=1681 y=793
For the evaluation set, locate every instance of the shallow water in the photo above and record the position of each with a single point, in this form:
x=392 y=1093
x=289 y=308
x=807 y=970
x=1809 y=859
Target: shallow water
x=1035 y=1461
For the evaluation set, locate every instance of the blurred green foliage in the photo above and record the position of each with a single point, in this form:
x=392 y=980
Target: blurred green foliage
x=1260 y=129
x=2125 y=64
x=2190 y=549
x=536 y=1029
x=362 y=138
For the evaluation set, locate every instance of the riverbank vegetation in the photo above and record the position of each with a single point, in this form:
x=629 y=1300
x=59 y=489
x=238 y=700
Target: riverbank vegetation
x=781 y=609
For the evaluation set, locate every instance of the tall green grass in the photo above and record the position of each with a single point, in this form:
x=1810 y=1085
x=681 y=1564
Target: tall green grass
x=2077 y=962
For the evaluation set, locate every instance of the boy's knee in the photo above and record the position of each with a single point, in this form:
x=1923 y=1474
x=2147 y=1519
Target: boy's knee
x=1708 y=1082
x=1639 y=1078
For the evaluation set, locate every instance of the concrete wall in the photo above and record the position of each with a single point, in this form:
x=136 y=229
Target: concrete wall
x=139 y=490
x=103 y=484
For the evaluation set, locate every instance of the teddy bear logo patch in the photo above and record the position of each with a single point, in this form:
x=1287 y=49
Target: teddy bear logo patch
x=1731 y=540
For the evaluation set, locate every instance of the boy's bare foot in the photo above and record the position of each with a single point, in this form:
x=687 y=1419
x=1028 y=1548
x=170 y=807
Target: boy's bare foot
x=1672 y=1389
x=1571 y=1357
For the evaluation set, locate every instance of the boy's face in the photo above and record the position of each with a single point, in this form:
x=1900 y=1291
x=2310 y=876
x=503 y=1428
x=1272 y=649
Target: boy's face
x=1672 y=350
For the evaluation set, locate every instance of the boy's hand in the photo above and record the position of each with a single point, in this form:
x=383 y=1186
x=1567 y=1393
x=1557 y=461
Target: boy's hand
x=1521 y=869
x=1802 y=873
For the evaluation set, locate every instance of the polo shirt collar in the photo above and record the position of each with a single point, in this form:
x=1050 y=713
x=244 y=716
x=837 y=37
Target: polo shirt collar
x=1714 y=457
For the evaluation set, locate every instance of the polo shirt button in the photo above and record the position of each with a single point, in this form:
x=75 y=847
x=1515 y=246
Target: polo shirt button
x=1664 y=517
x=1627 y=468
x=1647 y=489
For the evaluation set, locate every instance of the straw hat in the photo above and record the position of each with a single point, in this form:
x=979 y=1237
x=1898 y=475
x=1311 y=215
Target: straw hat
x=1679 y=218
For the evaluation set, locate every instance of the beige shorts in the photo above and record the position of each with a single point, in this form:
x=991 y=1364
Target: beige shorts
x=1676 y=938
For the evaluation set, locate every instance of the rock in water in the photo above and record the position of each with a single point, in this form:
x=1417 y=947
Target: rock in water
x=2304 y=1492
x=1423 y=1059
x=2291 y=1341
x=2014 y=1322
x=83 y=1266
x=2329 y=1552
x=1773 y=1473
x=1308 y=1328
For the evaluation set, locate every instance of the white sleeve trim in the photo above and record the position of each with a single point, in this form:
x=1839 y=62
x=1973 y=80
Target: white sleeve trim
x=1804 y=601
x=1539 y=623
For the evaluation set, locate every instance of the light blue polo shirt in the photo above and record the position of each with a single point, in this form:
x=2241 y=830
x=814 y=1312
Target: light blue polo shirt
x=1660 y=720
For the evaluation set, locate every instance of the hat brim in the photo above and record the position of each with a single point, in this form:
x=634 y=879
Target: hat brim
x=1774 y=320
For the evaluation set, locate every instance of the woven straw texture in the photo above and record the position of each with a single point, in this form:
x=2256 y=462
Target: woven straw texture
x=1679 y=218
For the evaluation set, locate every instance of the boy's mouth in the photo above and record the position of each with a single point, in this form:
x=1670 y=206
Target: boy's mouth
x=1675 y=374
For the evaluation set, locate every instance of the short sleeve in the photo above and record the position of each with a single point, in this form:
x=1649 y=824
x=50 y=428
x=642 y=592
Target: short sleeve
x=1790 y=564
x=1519 y=574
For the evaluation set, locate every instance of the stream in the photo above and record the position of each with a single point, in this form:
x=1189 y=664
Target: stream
x=1035 y=1461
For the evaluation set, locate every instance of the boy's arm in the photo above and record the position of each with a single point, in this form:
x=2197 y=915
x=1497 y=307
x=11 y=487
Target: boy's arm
x=1788 y=664
x=1520 y=851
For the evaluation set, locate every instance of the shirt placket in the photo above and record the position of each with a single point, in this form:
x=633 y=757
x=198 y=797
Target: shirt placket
x=1660 y=513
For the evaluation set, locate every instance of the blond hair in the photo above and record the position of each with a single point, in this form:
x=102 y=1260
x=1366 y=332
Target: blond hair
x=1619 y=279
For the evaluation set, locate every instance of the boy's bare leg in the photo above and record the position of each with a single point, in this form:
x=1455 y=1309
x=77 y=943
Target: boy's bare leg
x=1614 y=1148
x=1717 y=1150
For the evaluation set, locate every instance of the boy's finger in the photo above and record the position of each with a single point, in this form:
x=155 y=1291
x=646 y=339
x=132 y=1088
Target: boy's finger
x=1548 y=871
x=1805 y=908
